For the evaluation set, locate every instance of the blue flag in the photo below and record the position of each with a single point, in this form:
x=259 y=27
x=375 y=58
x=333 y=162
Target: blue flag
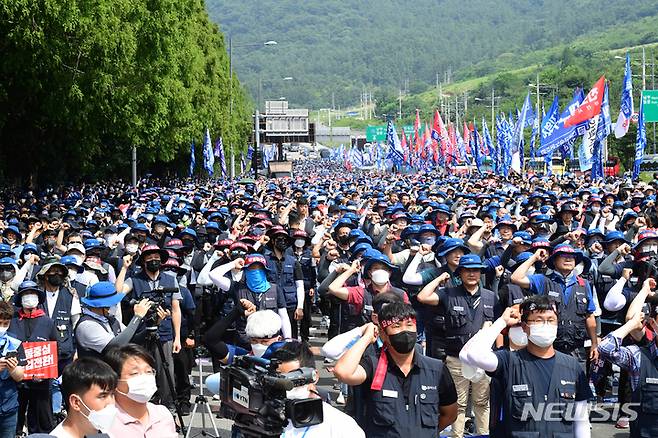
x=395 y=152
x=192 y=159
x=553 y=133
x=626 y=109
x=219 y=149
x=250 y=152
x=603 y=130
x=640 y=142
x=491 y=150
x=208 y=157
x=475 y=148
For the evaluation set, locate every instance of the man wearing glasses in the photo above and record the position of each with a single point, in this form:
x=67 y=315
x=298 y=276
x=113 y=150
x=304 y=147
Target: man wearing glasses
x=572 y=295
x=545 y=392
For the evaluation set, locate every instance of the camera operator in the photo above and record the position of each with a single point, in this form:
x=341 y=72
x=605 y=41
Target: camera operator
x=136 y=417
x=98 y=330
x=145 y=284
x=295 y=355
x=263 y=330
x=88 y=386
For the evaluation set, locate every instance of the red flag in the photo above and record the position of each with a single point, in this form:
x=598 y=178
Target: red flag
x=405 y=147
x=591 y=106
x=467 y=139
x=452 y=137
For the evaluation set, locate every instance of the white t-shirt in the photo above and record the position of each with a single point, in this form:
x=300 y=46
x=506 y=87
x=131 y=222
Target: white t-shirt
x=336 y=424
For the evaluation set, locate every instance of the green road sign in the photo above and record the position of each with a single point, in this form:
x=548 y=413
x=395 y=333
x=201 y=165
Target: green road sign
x=378 y=132
x=650 y=105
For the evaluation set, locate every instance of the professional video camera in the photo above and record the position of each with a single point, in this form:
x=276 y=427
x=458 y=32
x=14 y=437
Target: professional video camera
x=253 y=394
x=159 y=299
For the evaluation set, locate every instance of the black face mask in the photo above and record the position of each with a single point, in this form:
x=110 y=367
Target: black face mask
x=403 y=342
x=281 y=244
x=211 y=238
x=55 y=280
x=6 y=275
x=342 y=240
x=152 y=265
x=188 y=243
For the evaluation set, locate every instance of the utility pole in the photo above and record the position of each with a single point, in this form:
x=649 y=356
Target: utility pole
x=133 y=160
x=400 y=106
x=333 y=100
x=257 y=142
x=493 y=119
x=465 y=103
x=644 y=70
x=457 y=109
x=437 y=80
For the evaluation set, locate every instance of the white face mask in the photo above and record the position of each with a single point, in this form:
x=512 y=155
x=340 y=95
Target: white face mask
x=299 y=393
x=132 y=248
x=299 y=243
x=29 y=301
x=543 y=335
x=380 y=276
x=578 y=269
x=103 y=419
x=79 y=258
x=259 y=349
x=73 y=273
x=518 y=336
x=141 y=388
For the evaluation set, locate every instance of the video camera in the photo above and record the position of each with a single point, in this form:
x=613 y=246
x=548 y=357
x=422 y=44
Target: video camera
x=253 y=394
x=159 y=299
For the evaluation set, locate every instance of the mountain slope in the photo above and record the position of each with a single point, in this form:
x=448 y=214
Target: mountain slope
x=341 y=46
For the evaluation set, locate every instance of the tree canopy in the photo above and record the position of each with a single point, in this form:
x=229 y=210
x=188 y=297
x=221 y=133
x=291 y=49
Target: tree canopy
x=82 y=81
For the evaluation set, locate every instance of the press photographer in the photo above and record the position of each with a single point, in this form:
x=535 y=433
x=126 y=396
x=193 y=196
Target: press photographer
x=156 y=285
x=98 y=330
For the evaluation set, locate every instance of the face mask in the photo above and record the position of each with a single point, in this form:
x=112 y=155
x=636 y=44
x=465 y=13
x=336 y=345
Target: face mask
x=132 y=248
x=50 y=242
x=428 y=240
x=55 y=280
x=141 y=388
x=379 y=276
x=342 y=240
x=298 y=393
x=257 y=280
x=280 y=244
x=152 y=265
x=11 y=241
x=596 y=209
x=299 y=243
x=6 y=275
x=3 y=331
x=259 y=349
x=543 y=335
x=518 y=336
x=578 y=269
x=103 y=419
x=403 y=342
x=211 y=238
x=29 y=301
x=160 y=229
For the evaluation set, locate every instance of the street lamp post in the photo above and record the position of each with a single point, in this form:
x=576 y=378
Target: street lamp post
x=230 y=85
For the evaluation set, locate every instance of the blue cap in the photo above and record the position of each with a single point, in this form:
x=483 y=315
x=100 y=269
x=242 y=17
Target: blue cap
x=452 y=244
x=470 y=261
x=102 y=294
x=70 y=260
x=613 y=236
x=525 y=237
x=7 y=261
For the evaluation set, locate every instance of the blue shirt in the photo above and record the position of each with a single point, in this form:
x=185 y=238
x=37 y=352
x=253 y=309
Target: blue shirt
x=538 y=283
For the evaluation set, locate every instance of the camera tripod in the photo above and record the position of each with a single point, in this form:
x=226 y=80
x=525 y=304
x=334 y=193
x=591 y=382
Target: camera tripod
x=202 y=401
x=153 y=343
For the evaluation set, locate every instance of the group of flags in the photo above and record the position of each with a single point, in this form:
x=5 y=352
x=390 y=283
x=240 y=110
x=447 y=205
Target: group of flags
x=586 y=117
x=209 y=156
